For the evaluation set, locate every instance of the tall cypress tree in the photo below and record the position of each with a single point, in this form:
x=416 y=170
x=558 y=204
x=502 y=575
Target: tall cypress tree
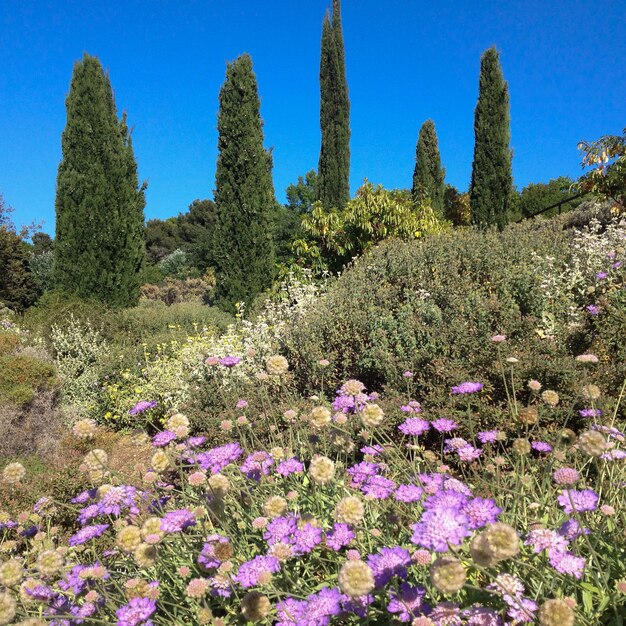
x=428 y=176
x=333 y=184
x=244 y=193
x=99 y=248
x=491 y=190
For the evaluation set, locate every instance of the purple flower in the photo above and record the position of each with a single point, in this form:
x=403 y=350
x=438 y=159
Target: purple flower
x=545 y=539
x=160 y=440
x=257 y=464
x=195 y=442
x=339 y=537
x=218 y=458
x=601 y=275
x=408 y=603
x=177 y=521
x=445 y=500
x=229 y=361
x=281 y=529
x=88 y=513
x=408 y=493
x=389 y=562
x=488 y=436
x=87 y=534
x=468 y=453
x=467 y=387
x=444 y=425
x=616 y=265
x=541 y=446
x=250 y=571
x=323 y=605
x=480 y=512
x=290 y=612
x=523 y=610
x=118 y=499
x=579 y=501
x=378 y=487
x=84 y=496
x=565 y=562
x=481 y=616
x=207 y=557
x=414 y=426
x=289 y=466
x=590 y=412
x=412 y=407
x=141 y=406
x=306 y=538
x=446 y=614
x=136 y=613
x=374 y=450
x=571 y=529
x=361 y=472
x=440 y=528
x=593 y=309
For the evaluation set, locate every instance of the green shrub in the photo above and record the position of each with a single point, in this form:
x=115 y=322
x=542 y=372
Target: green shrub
x=21 y=376
x=8 y=343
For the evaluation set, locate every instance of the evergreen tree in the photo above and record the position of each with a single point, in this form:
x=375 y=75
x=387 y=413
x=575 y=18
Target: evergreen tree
x=99 y=247
x=492 y=178
x=244 y=196
x=333 y=184
x=428 y=176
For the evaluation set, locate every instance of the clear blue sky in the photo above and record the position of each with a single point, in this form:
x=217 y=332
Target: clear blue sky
x=407 y=60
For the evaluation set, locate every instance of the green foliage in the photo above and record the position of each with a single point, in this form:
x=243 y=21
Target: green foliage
x=428 y=176
x=456 y=206
x=244 y=194
x=99 y=248
x=537 y=196
x=335 y=237
x=176 y=265
x=333 y=171
x=22 y=376
x=492 y=178
x=607 y=158
x=302 y=195
x=18 y=286
x=173 y=290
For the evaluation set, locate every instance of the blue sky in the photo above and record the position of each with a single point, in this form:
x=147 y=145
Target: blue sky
x=407 y=61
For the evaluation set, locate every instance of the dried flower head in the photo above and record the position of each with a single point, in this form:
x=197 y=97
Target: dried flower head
x=501 y=541
x=197 y=587
x=13 y=473
x=521 y=446
x=592 y=442
x=49 y=563
x=352 y=388
x=218 y=485
x=528 y=415
x=372 y=415
x=320 y=416
x=7 y=608
x=11 y=573
x=591 y=392
x=85 y=429
x=128 y=538
x=551 y=398
x=587 y=358
x=534 y=385
x=160 y=461
x=356 y=578
x=276 y=365
x=321 y=470
x=447 y=574
x=255 y=606
x=565 y=476
x=145 y=555
x=556 y=612
x=349 y=510
x=275 y=506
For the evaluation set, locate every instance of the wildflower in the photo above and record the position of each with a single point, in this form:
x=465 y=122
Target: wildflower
x=512 y=360
x=408 y=493
x=197 y=587
x=163 y=438
x=440 y=528
x=87 y=534
x=592 y=309
x=177 y=521
x=13 y=473
x=407 y=601
x=541 y=446
x=498 y=338
x=592 y=442
x=579 y=501
x=136 y=612
x=607 y=509
x=467 y=387
x=480 y=512
x=556 y=613
x=276 y=365
x=356 y=578
x=389 y=562
x=620 y=586
x=321 y=470
x=320 y=416
x=590 y=412
x=218 y=458
x=587 y=358
x=349 y=510
x=565 y=476
x=534 y=385
x=448 y=575
x=372 y=415
x=565 y=562
x=282 y=551
x=544 y=539
x=179 y=424
x=255 y=606
x=591 y=392
x=489 y=436
x=229 y=361
x=414 y=426
x=407 y=374
x=306 y=537
x=551 y=398
x=7 y=608
x=324 y=362
x=142 y=406
x=275 y=506
x=260 y=568
x=85 y=429
x=444 y=425
x=352 y=388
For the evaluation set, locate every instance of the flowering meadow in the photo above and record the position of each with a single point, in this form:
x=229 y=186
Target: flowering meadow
x=342 y=509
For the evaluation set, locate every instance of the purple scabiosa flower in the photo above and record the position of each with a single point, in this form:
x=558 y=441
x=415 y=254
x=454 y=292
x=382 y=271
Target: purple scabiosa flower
x=177 y=521
x=579 y=501
x=361 y=472
x=160 y=440
x=613 y=455
x=136 y=613
x=389 y=562
x=545 y=539
x=611 y=431
x=87 y=534
x=343 y=404
x=571 y=529
x=414 y=426
x=289 y=466
x=358 y=606
x=454 y=444
x=290 y=612
x=446 y=614
x=88 y=513
x=229 y=361
x=488 y=436
x=257 y=464
x=601 y=275
x=481 y=616
x=207 y=557
x=468 y=453
x=592 y=309
x=440 y=528
x=378 y=487
x=541 y=446
x=84 y=496
x=408 y=493
x=322 y=606
x=339 y=537
x=196 y=442
x=241 y=404
x=220 y=586
x=281 y=530
x=374 y=450
x=407 y=374
x=565 y=476
x=444 y=425
x=141 y=406
x=523 y=611
x=250 y=571
x=218 y=458
x=407 y=602
x=480 y=512
x=467 y=387
x=118 y=499
x=306 y=538
x=616 y=265
x=565 y=562
x=432 y=483
x=453 y=484
x=42 y=593
x=412 y=407
x=445 y=500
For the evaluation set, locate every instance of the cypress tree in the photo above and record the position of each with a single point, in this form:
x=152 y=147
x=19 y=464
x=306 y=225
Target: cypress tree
x=428 y=176
x=99 y=248
x=333 y=185
x=491 y=188
x=244 y=193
